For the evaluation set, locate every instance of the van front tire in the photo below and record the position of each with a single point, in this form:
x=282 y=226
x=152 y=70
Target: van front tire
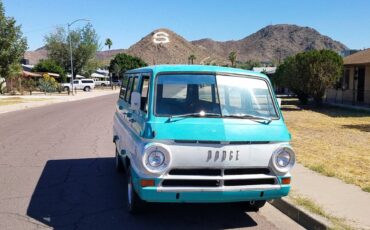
x=118 y=163
x=87 y=89
x=134 y=203
x=255 y=205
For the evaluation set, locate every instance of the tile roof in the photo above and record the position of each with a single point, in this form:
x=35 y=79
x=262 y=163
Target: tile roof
x=361 y=57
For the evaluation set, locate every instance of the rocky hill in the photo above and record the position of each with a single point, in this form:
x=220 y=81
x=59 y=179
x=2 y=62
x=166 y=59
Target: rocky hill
x=271 y=43
x=176 y=50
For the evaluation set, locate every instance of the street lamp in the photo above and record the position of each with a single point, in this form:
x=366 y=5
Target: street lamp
x=70 y=46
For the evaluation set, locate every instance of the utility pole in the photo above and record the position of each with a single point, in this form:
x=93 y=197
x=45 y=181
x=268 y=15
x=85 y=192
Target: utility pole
x=70 y=47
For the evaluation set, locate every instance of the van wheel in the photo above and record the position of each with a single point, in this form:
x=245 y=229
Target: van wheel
x=87 y=89
x=118 y=162
x=255 y=205
x=134 y=203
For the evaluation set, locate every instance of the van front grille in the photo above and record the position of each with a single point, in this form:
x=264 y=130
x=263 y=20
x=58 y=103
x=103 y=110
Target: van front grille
x=246 y=171
x=245 y=182
x=218 y=172
x=190 y=183
x=195 y=172
x=218 y=177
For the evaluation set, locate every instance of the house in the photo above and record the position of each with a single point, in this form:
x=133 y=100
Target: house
x=354 y=87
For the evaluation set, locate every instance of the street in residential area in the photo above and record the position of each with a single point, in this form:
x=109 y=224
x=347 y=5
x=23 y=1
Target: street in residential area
x=57 y=171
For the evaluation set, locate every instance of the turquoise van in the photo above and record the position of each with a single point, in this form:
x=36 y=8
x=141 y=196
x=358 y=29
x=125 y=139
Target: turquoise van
x=192 y=133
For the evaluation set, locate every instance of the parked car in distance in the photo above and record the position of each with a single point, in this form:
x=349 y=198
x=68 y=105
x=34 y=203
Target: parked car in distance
x=81 y=84
x=116 y=82
x=208 y=134
x=102 y=83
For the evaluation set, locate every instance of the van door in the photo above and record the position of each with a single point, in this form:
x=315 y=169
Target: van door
x=125 y=114
x=141 y=116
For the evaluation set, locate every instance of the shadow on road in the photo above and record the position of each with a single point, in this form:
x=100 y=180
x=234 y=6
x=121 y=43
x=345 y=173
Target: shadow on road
x=89 y=194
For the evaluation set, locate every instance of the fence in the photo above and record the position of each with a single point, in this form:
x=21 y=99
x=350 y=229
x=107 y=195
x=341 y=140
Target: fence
x=348 y=97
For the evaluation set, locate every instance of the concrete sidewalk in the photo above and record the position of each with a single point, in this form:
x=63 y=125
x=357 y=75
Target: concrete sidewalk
x=47 y=99
x=334 y=196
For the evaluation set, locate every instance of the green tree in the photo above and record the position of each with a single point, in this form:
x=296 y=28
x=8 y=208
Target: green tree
x=29 y=84
x=50 y=66
x=232 y=58
x=48 y=84
x=90 y=68
x=108 y=42
x=249 y=65
x=191 y=59
x=123 y=62
x=12 y=43
x=85 y=43
x=309 y=74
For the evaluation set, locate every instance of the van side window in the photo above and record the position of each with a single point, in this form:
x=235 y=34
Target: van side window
x=133 y=83
x=129 y=89
x=123 y=86
x=144 y=89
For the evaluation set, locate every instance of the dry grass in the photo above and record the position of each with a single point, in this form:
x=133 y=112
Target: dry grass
x=332 y=141
x=17 y=100
x=311 y=206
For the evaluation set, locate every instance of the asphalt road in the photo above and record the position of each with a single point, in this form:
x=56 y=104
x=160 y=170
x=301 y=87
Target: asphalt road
x=57 y=171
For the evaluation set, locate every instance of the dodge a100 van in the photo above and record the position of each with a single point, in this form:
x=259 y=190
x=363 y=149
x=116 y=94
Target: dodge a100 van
x=191 y=133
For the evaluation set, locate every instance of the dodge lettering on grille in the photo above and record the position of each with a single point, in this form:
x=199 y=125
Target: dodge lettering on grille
x=223 y=155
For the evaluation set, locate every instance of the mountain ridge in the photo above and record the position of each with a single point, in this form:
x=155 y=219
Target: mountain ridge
x=271 y=43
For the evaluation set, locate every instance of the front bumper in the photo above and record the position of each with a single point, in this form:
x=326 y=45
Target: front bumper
x=222 y=194
x=150 y=194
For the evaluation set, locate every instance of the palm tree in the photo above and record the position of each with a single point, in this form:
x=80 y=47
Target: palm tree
x=232 y=58
x=191 y=59
x=108 y=42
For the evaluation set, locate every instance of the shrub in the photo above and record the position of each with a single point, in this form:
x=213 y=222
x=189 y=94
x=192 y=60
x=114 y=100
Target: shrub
x=29 y=84
x=48 y=84
x=308 y=74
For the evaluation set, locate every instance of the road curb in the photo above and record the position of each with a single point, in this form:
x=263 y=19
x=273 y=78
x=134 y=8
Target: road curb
x=301 y=216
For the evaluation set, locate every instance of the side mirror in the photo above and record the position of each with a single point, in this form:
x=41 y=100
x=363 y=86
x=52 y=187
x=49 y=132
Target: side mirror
x=279 y=101
x=135 y=101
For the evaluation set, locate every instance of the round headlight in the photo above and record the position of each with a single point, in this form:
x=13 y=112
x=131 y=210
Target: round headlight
x=156 y=158
x=283 y=159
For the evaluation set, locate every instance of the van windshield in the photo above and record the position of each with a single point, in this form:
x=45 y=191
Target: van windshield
x=227 y=96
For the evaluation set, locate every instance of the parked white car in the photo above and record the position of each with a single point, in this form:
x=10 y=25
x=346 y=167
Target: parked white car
x=101 y=83
x=82 y=84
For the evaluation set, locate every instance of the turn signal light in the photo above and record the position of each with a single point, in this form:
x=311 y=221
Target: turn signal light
x=146 y=183
x=285 y=180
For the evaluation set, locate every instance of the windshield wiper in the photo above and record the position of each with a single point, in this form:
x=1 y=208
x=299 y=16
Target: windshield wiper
x=265 y=120
x=199 y=114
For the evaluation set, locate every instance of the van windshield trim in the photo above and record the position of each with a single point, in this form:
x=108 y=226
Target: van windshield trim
x=273 y=104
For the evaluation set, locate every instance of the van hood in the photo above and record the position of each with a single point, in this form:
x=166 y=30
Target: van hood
x=213 y=129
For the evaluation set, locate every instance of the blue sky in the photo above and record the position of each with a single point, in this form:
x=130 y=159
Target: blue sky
x=127 y=21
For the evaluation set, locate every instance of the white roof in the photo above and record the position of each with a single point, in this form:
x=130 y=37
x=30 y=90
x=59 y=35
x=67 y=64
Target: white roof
x=28 y=66
x=54 y=74
x=77 y=76
x=97 y=75
x=268 y=70
x=102 y=71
